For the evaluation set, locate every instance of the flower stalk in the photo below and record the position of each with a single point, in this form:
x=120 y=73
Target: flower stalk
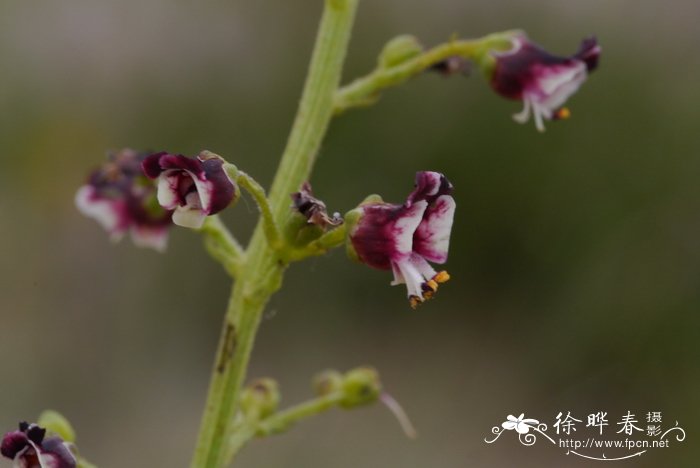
x=221 y=245
x=364 y=91
x=263 y=268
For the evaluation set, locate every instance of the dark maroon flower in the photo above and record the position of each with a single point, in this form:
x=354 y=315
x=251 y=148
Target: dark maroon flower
x=541 y=80
x=405 y=237
x=122 y=200
x=194 y=187
x=29 y=447
x=313 y=209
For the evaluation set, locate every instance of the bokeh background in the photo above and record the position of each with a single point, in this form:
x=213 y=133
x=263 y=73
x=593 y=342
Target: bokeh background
x=575 y=256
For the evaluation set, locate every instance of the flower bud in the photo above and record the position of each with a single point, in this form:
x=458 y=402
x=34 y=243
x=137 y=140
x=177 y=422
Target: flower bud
x=360 y=386
x=399 y=50
x=327 y=382
x=29 y=447
x=55 y=422
x=260 y=399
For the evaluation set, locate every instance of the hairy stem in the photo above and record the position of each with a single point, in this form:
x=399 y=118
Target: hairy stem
x=268 y=221
x=263 y=269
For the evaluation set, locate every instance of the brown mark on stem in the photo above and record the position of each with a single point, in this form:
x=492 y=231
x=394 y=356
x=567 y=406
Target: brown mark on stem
x=227 y=350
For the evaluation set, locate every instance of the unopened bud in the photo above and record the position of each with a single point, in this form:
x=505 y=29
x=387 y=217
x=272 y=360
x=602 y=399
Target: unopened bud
x=260 y=399
x=56 y=423
x=361 y=386
x=399 y=50
x=327 y=382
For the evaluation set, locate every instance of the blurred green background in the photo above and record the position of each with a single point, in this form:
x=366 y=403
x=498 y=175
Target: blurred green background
x=575 y=256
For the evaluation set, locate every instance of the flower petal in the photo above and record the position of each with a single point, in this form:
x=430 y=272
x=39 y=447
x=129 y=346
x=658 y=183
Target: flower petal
x=187 y=217
x=432 y=237
x=428 y=186
x=155 y=237
x=384 y=233
x=110 y=214
x=168 y=194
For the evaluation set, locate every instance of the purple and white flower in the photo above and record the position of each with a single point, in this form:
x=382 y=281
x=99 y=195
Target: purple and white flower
x=194 y=187
x=403 y=238
x=121 y=199
x=519 y=424
x=29 y=447
x=541 y=80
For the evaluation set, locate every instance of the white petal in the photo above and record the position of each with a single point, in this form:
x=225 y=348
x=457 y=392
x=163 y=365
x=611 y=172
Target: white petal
x=552 y=79
x=432 y=237
x=423 y=267
x=105 y=212
x=524 y=115
x=537 y=111
x=153 y=237
x=398 y=277
x=167 y=189
x=186 y=217
x=412 y=278
x=406 y=226
x=205 y=190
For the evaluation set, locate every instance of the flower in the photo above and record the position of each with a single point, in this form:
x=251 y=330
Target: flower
x=405 y=237
x=121 y=199
x=29 y=448
x=541 y=80
x=521 y=426
x=194 y=187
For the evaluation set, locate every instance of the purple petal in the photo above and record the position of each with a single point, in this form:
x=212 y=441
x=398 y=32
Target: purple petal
x=431 y=239
x=157 y=163
x=384 y=233
x=13 y=443
x=519 y=70
x=219 y=190
x=589 y=52
x=54 y=453
x=428 y=186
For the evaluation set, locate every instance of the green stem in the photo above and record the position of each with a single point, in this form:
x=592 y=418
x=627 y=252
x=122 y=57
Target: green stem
x=258 y=193
x=221 y=245
x=364 y=91
x=280 y=422
x=329 y=240
x=262 y=270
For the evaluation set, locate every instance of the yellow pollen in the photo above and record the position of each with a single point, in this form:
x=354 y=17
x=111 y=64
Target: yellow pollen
x=428 y=295
x=432 y=285
x=441 y=277
x=414 y=301
x=563 y=113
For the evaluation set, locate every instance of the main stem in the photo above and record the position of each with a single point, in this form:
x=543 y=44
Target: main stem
x=262 y=271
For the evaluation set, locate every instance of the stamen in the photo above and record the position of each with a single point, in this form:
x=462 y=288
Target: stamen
x=399 y=414
x=414 y=301
x=429 y=288
x=562 y=114
x=441 y=277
